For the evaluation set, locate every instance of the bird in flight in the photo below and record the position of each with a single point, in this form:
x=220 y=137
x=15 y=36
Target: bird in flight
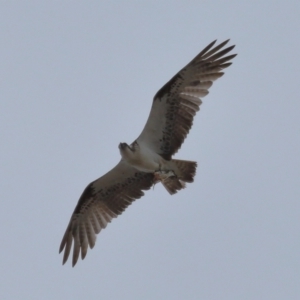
x=148 y=160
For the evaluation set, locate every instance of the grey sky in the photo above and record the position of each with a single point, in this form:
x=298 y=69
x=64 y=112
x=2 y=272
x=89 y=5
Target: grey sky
x=78 y=78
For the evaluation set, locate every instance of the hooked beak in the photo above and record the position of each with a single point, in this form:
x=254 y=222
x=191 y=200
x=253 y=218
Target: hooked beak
x=122 y=146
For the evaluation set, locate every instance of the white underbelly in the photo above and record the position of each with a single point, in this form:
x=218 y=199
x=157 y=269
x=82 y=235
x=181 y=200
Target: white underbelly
x=145 y=160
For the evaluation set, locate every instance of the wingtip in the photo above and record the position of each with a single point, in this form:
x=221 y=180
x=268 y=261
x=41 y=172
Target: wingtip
x=74 y=262
x=75 y=259
x=221 y=45
x=206 y=49
x=231 y=47
x=61 y=248
x=64 y=259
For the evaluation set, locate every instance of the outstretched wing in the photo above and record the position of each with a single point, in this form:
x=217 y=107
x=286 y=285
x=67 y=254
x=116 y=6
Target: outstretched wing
x=102 y=200
x=176 y=103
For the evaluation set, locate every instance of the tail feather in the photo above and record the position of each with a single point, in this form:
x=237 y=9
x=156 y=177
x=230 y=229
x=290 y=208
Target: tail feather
x=184 y=171
x=173 y=184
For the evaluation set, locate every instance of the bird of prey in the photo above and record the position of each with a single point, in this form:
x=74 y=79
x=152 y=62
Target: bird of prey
x=148 y=160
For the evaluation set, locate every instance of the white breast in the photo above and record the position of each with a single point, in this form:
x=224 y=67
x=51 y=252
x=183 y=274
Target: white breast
x=143 y=158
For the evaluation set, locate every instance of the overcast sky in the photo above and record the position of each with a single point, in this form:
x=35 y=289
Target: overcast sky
x=78 y=78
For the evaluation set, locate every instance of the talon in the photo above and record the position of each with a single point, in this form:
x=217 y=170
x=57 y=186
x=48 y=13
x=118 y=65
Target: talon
x=163 y=175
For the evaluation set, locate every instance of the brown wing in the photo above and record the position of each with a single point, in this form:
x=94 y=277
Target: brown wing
x=102 y=200
x=176 y=103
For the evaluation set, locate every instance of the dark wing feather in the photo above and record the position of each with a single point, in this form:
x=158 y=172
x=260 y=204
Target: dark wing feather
x=101 y=201
x=176 y=103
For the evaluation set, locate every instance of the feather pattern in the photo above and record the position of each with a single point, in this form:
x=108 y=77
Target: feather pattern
x=101 y=201
x=177 y=102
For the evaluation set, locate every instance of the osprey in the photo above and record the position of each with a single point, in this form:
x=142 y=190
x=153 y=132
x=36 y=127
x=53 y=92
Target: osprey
x=148 y=160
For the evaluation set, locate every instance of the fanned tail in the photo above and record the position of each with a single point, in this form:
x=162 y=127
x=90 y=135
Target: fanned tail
x=181 y=171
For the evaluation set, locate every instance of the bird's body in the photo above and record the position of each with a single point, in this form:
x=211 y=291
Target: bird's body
x=148 y=160
x=141 y=157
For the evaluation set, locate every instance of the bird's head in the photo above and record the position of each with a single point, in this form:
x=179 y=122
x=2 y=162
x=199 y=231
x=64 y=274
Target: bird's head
x=123 y=146
x=127 y=151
